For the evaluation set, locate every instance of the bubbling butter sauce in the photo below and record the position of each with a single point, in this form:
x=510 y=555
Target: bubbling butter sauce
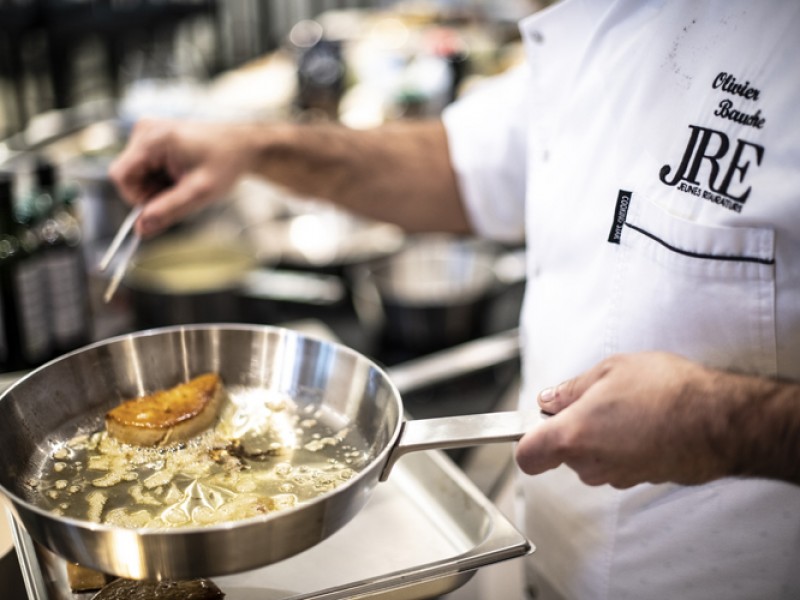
x=263 y=455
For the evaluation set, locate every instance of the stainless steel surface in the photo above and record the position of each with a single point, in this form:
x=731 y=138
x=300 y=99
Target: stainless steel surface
x=120 y=236
x=101 y=207
x=437 y=270
x=324 y=237
x=183 y=278
x=313 y=289
x=201 y=277
x=460 y=431
x=421 y=535
x=490 y=467
x=32 y=573
x=73 y=393
x=54 y=126
x=127 y=254
x=435 y=293
x=8 y=379
x=447 y=364
x=121 y=268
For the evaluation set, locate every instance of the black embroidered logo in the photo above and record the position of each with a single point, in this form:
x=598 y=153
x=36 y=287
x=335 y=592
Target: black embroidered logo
x=726 y=161
x=726 y=171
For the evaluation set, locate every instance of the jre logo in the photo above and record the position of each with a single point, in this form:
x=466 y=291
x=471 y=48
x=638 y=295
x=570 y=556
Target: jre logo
x=712 y=147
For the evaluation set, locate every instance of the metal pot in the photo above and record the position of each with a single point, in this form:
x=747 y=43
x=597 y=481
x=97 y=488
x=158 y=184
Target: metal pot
x=324 y=239
x=180 y=280
x=72 y=393
x=101 y=208
x=437 y=292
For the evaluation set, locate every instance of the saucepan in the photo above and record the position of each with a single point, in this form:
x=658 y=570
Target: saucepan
x=181 y=279
x=336 y=384
x=438 y=291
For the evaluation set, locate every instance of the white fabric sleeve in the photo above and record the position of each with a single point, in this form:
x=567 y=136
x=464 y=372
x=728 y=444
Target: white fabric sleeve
x=486 y=134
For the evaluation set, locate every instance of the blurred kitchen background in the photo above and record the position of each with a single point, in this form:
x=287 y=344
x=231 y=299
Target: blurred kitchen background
x=75 y=75
x=129 y=56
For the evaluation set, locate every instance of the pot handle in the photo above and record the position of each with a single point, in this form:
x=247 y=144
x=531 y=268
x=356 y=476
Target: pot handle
x=461 y=431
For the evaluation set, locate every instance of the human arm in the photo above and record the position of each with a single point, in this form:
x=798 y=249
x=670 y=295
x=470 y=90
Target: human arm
x=657 y=417
x=399 y=172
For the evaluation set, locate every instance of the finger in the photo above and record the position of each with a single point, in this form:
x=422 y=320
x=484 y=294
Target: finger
x=173 y=204
x=163 y=210
x=592 y=469
x=127 y=173
x=597 y=472
x=132 y=171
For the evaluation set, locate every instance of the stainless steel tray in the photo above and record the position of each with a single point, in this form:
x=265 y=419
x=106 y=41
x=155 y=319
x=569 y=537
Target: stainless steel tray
x=422 y=534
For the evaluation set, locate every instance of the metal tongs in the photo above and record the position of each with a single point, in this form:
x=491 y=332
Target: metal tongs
x=155 y=182
x=127 y=254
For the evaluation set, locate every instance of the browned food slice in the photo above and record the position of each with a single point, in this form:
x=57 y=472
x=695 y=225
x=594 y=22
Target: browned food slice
x=192 y=589
x=168 y=416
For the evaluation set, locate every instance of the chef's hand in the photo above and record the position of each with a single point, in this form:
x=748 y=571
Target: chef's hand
x=176 y=168
x=633 y=418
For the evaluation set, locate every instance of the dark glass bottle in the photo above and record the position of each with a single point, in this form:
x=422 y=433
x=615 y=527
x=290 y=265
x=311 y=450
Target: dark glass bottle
x=65 y=269
x=25 y=339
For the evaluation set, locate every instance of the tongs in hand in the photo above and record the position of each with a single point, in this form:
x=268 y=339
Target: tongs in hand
x=127 y=254
x=157 y=182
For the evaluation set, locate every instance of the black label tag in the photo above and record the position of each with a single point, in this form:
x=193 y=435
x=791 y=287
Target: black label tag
x=620 y=213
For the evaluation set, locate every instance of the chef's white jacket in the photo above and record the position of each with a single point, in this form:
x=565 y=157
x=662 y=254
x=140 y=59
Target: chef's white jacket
x=649 y=154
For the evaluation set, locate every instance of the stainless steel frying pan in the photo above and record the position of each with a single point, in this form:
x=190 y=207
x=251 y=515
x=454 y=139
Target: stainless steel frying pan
x=73 y=393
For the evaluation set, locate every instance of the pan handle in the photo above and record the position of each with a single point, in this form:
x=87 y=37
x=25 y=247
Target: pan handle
x=461 y=431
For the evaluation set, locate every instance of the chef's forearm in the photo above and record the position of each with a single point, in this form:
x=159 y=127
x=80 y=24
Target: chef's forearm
x=399 y=172
x=758 y=433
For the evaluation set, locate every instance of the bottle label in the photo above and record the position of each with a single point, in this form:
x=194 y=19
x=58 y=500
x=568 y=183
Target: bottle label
x=30 y=289
x=66 y=295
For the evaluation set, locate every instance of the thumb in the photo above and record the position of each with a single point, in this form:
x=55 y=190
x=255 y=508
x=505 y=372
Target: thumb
x=540 y=449
x=554 y=399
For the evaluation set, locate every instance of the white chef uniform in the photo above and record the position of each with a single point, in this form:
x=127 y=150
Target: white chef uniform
x=652 y=151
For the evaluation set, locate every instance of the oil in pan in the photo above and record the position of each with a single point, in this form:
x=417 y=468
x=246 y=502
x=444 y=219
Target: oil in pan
x=262 y=456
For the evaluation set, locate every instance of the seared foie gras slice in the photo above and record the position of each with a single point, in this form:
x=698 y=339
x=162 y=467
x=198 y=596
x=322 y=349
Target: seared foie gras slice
x=168 y=416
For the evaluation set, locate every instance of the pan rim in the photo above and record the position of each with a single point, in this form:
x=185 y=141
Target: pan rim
x=12 y=500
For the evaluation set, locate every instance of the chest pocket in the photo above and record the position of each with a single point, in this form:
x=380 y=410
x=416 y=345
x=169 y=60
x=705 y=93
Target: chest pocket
x=705 y=292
